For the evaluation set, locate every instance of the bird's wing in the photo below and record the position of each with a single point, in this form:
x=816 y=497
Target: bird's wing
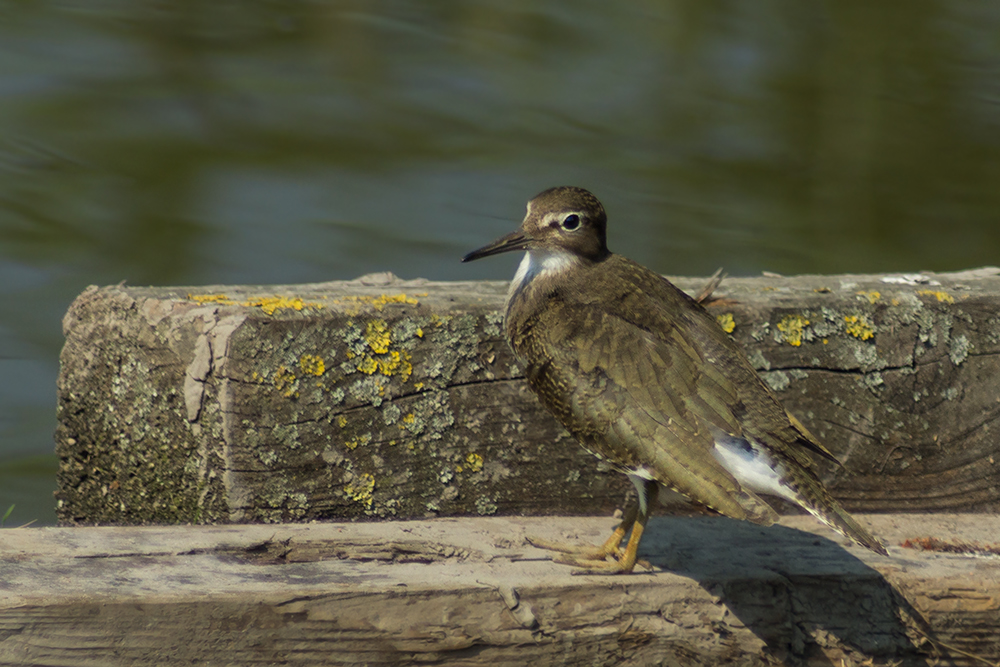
x=642 y=399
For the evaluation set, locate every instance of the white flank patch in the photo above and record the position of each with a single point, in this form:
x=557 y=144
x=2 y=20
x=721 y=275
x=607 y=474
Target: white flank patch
x=752 y=468
x=539 y=262
x=638 y=478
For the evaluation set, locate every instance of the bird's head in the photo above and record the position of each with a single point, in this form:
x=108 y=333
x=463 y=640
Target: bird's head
x=563 y=219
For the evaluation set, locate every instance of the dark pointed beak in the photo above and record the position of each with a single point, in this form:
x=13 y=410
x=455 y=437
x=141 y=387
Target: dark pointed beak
x=513 y=241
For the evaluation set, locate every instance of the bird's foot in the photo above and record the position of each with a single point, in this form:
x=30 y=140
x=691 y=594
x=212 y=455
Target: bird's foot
x=585 y=552
x=589 y=558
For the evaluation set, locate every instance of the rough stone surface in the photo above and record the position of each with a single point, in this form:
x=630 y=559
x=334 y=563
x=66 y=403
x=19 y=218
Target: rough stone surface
x=381 y=398
x=472 y=591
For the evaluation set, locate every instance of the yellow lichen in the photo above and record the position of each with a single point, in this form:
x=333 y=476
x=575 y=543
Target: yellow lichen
x=382 y=359
x=378 y=337
x=475 y=462
x=360 y=441
x=859 y=327
x=360 y=490
x=341 y=421
x=419 y=332
x=211 y=298
x=380 y=301
x=354 y=303
x=397 y=363
x=727 y=322
x=942 y=297
x=793 y=327
x=871 y=295
x=367 y=365
x=285 y=382
x=312 y=364
x=409 y=418
x=269 y=304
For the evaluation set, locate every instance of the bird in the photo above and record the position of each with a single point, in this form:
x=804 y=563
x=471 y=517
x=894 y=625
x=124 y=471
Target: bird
x=645 y=379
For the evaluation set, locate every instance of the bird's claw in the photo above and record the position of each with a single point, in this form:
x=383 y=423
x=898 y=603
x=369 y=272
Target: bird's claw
x=584 y=552
x=588 y=558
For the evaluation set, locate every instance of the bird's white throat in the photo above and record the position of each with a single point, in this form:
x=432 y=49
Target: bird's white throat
x=540 y=262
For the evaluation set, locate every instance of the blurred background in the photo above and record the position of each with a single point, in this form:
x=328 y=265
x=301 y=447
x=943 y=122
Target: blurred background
x=297 y=141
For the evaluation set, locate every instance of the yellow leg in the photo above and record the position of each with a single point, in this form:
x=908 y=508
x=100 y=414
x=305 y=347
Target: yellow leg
x=577 y=552
x=609 y=557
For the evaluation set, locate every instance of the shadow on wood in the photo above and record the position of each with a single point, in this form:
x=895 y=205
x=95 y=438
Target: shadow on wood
x=799 y=593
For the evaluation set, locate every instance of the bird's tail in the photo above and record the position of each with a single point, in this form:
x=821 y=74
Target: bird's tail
x=832 y=514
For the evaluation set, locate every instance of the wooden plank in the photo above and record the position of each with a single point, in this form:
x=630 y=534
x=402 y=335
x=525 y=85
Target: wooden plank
x=472 y=591
x=382 y=398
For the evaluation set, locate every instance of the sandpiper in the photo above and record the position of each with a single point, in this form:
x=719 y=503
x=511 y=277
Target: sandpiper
x=645 y=379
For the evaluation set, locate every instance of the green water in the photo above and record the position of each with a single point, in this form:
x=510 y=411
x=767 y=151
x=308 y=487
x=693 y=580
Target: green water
x=224 y=142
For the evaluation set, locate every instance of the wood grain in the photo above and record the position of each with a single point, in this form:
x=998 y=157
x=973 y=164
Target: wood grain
x=382 y=398
x=472 y=591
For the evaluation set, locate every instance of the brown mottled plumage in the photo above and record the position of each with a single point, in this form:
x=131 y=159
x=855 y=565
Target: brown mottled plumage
x=645 y=379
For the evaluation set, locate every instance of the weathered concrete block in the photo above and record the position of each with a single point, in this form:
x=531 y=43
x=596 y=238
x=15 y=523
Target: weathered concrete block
x=388 y=398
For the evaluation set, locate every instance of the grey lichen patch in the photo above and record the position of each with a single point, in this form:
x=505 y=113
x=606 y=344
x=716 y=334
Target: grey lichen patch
x=409 y=331
x=441 y=417
x=758 y=361
x=412 y=423
x=486 y=506
x=354 y=337
x=368 y=389
x=950 y=394
x=993 y=330
x=287 y=435
x=871 y=380
x=267 y=456
x=776 y=380
x=946 y=322
x=866 y=355
x=494 y=324
x=336 y=396
x=798 y=374
x=926 y=329
x=458 y=336
x=332 y=456
x=390 y=414
x=958 y=349
x=828 y=324
x=760 y=332
x=430 y=416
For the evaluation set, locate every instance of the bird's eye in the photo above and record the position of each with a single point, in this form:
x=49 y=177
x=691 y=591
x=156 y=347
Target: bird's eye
x=571 y=222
